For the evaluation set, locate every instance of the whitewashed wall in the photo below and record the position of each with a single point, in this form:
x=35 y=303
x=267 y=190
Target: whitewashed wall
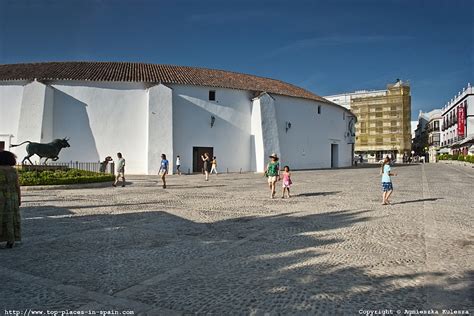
x=257 y=152
x=230 y=135
x=470 y=114
x=35 y=122
x=265 y=137
x=10 y=104
x=160 y=127
x=102 y=119
x=307 y=144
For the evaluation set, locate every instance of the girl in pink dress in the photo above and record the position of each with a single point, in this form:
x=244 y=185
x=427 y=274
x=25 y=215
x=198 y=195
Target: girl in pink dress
x=286 y=181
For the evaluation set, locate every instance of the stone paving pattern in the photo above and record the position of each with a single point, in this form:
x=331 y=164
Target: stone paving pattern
x=223 y=247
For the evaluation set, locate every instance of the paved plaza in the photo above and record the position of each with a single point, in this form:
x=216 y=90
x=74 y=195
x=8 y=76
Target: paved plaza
x=223 y=247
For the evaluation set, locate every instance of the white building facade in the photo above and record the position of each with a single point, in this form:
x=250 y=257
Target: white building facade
x=457 y=130
x=346 y=98
x=434 y=134
x=144 y=110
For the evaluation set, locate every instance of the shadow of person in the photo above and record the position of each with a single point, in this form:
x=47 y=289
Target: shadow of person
x=418 y=201
x=309 y=194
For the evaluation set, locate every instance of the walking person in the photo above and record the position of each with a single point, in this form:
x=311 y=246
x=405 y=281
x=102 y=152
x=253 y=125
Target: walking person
x=10 y=200
x=206 y=165
x=286 y=182
x=120 y=170
x=178 y=165
x=273 y=173
x=214 y=165
x=387 y=186
x=163 y=169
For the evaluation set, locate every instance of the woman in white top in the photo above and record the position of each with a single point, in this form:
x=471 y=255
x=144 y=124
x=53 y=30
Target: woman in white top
x=214 y=165
x=178 y=165
x=387 y=187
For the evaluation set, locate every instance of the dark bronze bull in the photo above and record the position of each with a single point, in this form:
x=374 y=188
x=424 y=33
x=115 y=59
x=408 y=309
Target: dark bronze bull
x=48 y=151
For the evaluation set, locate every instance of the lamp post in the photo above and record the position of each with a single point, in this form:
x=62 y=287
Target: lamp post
x=213 y=120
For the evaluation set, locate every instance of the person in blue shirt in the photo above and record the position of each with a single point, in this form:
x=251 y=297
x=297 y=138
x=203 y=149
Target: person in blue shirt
x=387 y=186
x=163 y=169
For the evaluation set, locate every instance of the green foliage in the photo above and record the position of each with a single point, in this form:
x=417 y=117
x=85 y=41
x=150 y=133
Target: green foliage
x=469 y=158
x=466 y=158
x=67 y=176
x=445 y=157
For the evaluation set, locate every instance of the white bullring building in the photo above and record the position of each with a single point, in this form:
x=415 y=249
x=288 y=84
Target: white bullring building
x=143 y=110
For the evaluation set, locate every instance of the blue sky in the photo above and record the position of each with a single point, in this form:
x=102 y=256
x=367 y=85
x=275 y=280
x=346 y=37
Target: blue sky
x=328 y=47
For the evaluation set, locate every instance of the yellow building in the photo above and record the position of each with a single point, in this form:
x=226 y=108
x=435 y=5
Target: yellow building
x=383 y=120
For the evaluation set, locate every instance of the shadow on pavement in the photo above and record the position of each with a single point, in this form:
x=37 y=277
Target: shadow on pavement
x=309 y=194
x=362 y=166
x=417 y=201
x=280 y=264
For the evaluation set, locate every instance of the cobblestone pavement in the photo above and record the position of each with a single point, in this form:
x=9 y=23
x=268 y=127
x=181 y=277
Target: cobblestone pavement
x=223 y=247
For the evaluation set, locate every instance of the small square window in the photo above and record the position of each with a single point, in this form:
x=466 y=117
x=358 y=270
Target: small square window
x=212 y=95
x=319 y=109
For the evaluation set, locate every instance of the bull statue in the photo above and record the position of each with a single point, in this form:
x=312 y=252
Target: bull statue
x=48 y=151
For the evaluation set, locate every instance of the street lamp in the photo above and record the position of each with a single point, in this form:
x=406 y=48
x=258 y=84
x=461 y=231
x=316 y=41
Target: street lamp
x=213 y=120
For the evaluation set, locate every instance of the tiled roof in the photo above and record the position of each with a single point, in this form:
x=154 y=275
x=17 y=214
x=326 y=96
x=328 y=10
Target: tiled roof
x=151 y=73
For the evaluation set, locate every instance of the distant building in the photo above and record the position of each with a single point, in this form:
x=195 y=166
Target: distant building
x=413 y=128
x=434 y=134
x=457 y=131
x=383 y=120
x=420 y=141
x=426 y=142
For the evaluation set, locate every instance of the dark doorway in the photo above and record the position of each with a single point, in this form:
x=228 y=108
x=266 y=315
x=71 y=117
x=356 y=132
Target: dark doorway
x=334 y=155
x=2 y=146
x=198 y=164
x=353 y=160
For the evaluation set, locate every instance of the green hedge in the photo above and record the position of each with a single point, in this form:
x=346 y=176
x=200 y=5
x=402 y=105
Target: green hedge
x=69 y=176
x=466 y=158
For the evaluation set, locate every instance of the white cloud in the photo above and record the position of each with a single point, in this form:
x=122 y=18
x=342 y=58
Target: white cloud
x=336 y=41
